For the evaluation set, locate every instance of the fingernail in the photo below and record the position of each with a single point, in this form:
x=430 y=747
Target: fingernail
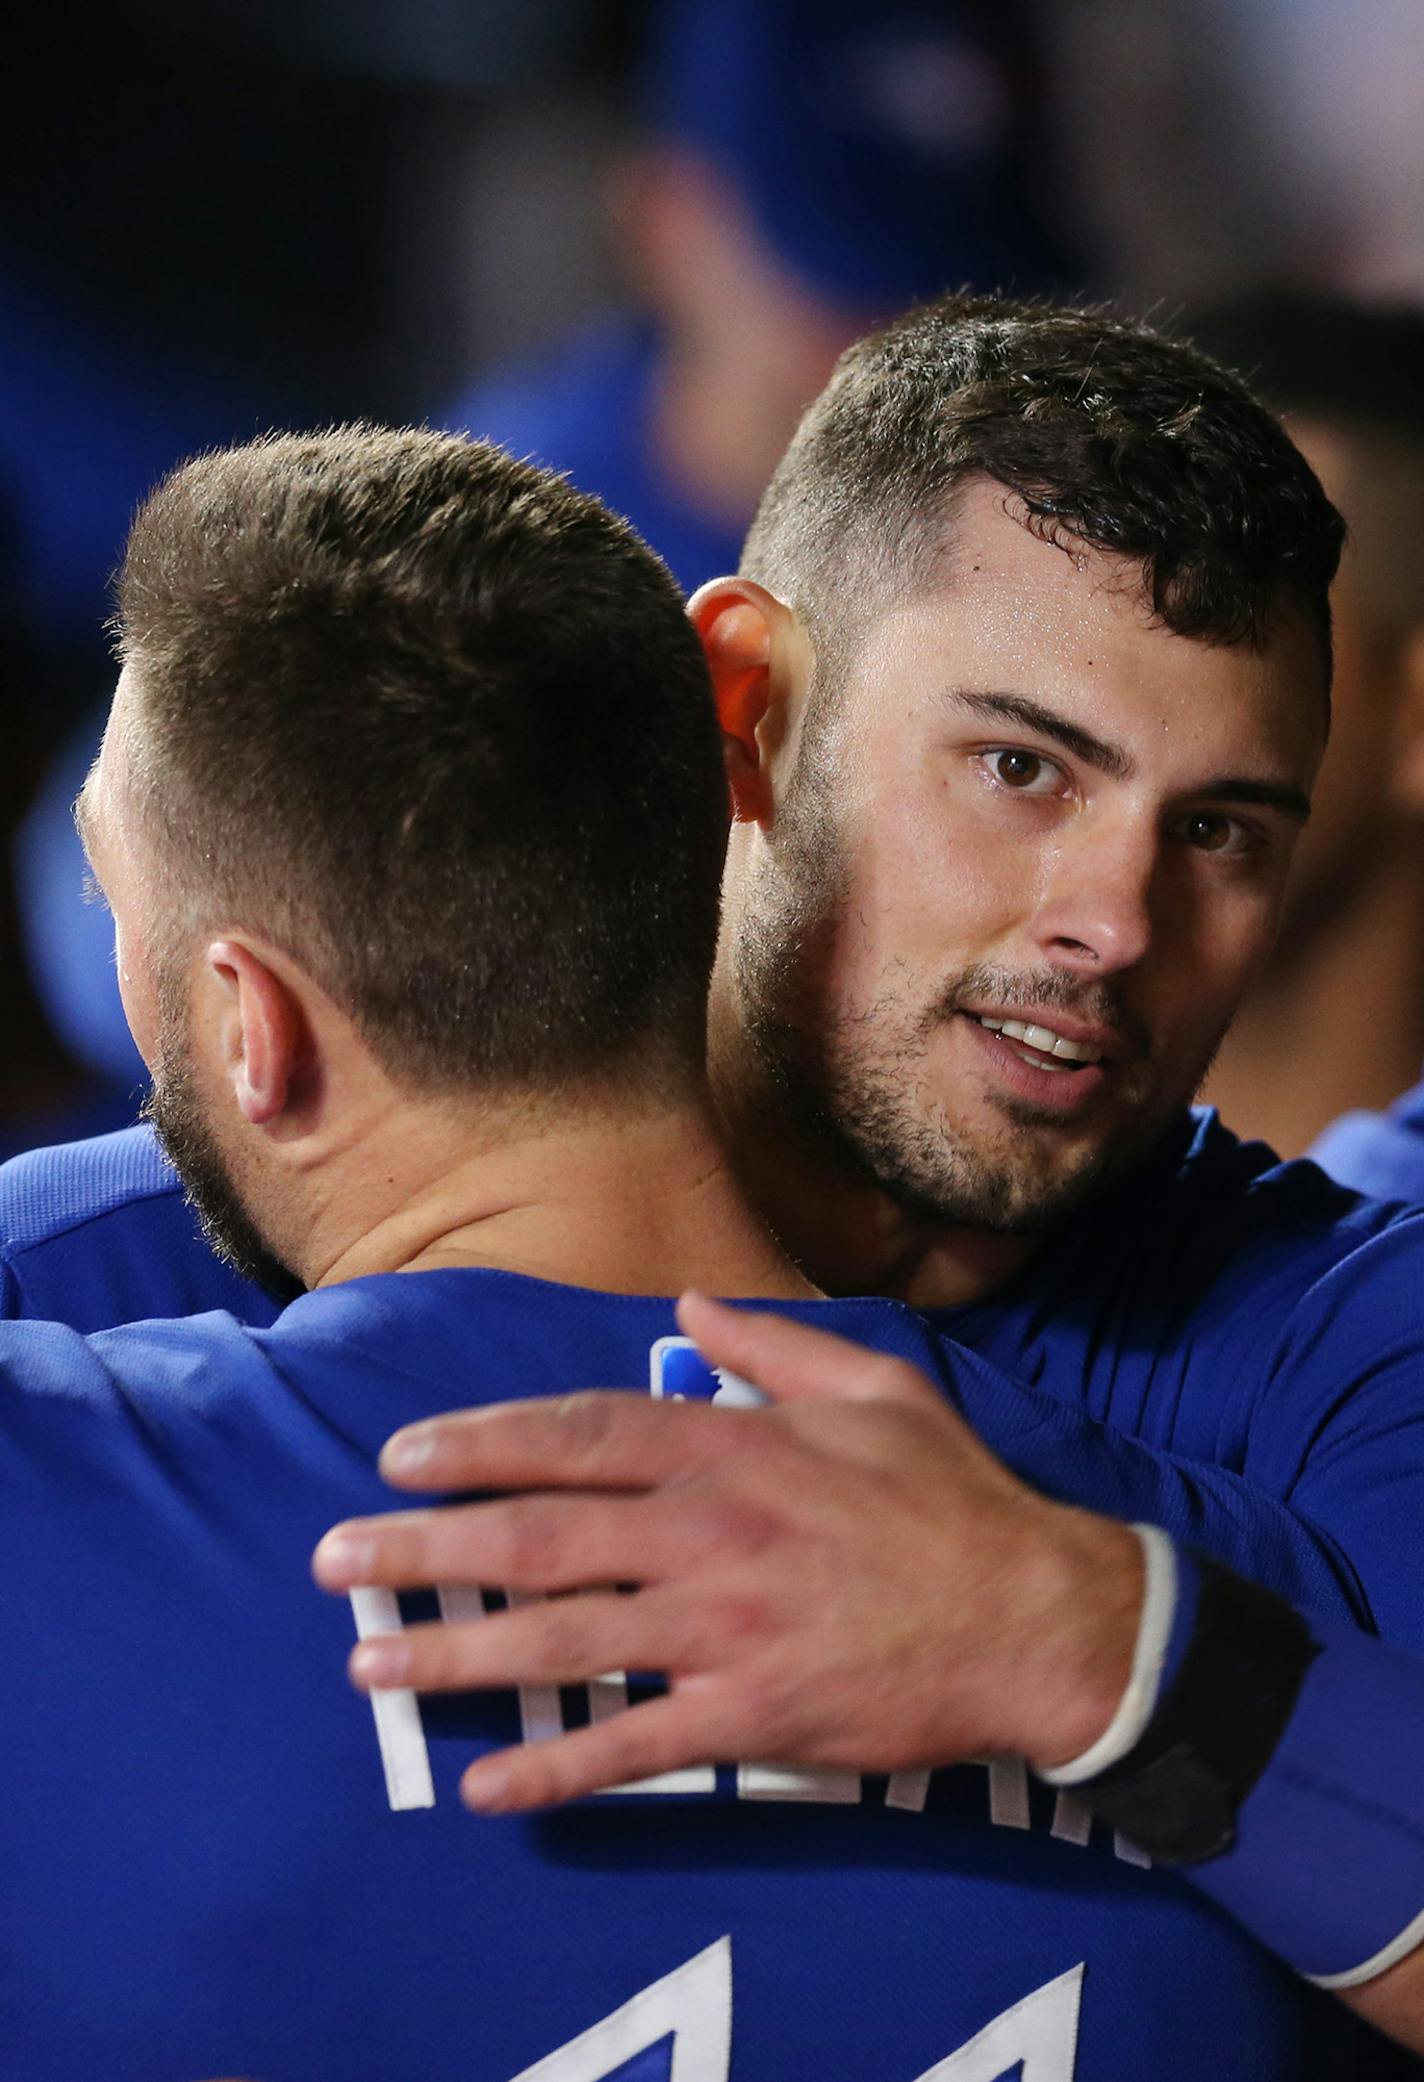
x=343 y=1559
x=407 y=1452
x=380 y=1663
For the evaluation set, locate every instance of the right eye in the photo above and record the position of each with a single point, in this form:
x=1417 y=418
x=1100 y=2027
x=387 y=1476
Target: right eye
x=1025 y=772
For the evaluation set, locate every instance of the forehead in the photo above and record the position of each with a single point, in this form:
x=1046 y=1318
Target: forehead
x=1009 y=612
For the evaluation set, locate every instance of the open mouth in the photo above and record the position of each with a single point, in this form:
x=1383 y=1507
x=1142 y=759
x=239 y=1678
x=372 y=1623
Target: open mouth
x=1040 y=1046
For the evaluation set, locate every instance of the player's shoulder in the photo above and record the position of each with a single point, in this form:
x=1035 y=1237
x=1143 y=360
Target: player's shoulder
x=98 y=1232
x=117 y=1395
x=1221 y=1203
x=46 y=1193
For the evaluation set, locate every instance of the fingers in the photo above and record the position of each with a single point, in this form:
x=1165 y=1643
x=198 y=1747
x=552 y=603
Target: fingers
x=795 y=1363
x=554 y=1641
x=599 y=1439
x=550 y=1542
x=665 y=1734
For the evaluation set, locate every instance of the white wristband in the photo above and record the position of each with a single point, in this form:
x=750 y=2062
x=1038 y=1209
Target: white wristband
x=1139 y=1702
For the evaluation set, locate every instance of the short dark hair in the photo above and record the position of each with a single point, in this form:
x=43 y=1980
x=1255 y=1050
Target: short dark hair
x=436 y=723
x=1107 y=433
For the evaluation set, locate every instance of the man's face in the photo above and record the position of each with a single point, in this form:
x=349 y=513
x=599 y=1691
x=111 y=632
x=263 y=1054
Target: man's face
x=1023 y=871
x=149 y=925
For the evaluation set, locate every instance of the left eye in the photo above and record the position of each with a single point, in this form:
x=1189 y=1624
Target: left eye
x=1211 y=832
x=1027 y=773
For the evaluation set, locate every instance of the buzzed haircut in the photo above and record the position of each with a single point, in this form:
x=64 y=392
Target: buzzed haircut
x=437 y=724
x=1356 y=368
x=1108 y=435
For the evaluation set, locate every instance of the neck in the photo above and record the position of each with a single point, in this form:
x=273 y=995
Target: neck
x=1337 y=1020
x=839 y=1226
x=629 y=1196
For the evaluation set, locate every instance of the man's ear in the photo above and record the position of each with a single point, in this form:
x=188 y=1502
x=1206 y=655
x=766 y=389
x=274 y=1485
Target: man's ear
x=261 y=1031
x=1407 y=750
x=758 y=656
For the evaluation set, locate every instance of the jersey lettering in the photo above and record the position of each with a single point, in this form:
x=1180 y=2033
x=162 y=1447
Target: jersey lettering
x=405 y=1756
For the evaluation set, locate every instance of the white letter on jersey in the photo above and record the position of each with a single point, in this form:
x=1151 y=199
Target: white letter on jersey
x=404 y=1756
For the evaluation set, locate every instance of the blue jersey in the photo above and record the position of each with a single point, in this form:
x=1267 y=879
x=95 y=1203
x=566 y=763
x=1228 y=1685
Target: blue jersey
x=1226 y=1346
x=217 y=1861
x=1378 y=1153
x=97 y=1233
x=1226 y=1311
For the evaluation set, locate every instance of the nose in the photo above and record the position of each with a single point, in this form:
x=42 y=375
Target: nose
x=1095 y=911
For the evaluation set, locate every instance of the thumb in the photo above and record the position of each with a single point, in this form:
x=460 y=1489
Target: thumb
x=791 y=1362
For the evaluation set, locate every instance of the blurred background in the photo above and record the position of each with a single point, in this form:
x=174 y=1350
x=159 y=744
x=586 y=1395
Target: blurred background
x=629 y=237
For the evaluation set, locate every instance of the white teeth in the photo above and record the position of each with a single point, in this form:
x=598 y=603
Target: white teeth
x=1043 y=1039
x=1038 y=1063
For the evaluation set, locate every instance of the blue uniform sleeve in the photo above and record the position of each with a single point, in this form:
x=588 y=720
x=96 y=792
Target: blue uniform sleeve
x=1316 y=1489
x=1079 y=1460
x=97 y=1233
x=1338 y=1427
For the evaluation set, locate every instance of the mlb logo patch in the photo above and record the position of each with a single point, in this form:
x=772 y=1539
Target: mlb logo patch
x=679 y=1373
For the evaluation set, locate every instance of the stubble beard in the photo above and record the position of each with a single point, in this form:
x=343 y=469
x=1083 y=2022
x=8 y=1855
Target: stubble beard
x=175 y=1108
x=862 y=1086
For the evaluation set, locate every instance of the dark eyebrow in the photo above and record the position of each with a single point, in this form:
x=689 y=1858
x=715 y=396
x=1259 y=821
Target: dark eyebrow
x=1017 y=708
x=1118 y=764
x=1292 y=802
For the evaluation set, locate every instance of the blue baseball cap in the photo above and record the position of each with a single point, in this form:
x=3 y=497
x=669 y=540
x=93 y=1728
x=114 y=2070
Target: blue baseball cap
x=887 y=148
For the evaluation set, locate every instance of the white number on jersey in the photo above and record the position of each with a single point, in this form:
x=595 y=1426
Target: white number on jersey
x=693 y=2005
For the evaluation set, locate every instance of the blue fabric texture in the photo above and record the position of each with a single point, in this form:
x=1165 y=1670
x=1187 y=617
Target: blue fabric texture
x=1328 y=1865
x=204 y=1874
x=1378 y=1153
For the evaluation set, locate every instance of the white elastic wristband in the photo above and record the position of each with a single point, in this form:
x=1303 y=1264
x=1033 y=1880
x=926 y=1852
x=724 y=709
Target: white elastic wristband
x=1139 y=1702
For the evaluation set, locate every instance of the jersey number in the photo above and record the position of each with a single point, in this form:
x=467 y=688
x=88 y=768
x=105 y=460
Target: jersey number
x=686 y=2019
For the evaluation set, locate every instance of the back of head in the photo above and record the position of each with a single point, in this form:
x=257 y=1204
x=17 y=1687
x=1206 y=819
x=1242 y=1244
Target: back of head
x=1105 y=433
x=436 y=724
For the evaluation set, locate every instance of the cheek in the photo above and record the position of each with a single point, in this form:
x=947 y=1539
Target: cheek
x=1228 y=945
x=936 y=880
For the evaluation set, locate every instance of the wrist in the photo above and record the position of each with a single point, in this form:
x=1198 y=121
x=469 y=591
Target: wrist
x=1088 y=1638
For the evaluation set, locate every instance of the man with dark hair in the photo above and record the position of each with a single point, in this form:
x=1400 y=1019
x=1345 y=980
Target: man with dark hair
x=997 y=469
x=1348 y=378
x=1081 y=815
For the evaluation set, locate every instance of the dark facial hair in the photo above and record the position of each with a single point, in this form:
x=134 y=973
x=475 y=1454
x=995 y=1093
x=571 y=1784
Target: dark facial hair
x=174 y=1108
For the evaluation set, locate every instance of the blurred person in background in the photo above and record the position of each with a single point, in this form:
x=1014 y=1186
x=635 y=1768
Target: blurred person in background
x=806 y=169
x=1337 y=1020
x=45 y=1094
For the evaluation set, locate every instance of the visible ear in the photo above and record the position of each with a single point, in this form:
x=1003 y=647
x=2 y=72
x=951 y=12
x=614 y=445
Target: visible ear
x=262 y=1029
x=758 y=657
x=1407 y=761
